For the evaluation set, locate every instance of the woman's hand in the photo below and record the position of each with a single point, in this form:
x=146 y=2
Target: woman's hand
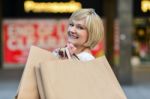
x=71 y=48
x=62 y=51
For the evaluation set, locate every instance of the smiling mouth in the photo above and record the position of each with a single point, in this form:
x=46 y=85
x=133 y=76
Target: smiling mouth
x=74 y=36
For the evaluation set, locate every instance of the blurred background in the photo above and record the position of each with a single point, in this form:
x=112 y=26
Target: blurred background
x=43 y=23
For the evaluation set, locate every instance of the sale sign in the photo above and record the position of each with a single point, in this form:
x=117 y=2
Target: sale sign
x=19 y=35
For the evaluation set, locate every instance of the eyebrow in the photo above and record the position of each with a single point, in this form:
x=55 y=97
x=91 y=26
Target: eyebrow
x=78 y=24
x=81 y=25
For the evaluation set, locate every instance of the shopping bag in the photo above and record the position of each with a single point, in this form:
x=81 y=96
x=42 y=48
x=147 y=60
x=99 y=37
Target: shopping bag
x=28 y=85
x=38 y=73
x=70 y=79
x=39 y=81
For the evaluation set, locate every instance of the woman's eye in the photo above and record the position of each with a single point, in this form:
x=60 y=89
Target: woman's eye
x=80 y=27
x=71 y=24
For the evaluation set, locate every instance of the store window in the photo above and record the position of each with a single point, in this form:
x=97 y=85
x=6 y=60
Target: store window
x=141 y=42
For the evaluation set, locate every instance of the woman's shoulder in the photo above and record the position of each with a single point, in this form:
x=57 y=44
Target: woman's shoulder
x=85 y=56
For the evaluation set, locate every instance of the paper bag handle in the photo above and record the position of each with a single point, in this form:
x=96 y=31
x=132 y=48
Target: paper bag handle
x=68 y=54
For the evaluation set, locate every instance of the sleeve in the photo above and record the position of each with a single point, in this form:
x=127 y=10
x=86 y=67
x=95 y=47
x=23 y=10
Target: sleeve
x=86 y=57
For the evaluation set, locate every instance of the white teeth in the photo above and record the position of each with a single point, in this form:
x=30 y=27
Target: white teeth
x=73 y=36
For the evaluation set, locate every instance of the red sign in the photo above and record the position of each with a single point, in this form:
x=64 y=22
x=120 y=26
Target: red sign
x=19 y=35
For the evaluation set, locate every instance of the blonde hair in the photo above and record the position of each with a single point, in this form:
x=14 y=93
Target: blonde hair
x=93 y=24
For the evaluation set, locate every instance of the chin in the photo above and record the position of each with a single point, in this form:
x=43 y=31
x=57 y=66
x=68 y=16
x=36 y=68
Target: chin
x=71 y=41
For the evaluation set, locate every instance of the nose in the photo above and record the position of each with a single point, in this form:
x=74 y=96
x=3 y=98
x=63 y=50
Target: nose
x=73 y=29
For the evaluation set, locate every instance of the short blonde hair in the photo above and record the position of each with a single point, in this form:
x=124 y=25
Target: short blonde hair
x=93 y=24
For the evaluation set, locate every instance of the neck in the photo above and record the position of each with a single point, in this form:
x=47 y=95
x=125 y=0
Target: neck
x=82 y=49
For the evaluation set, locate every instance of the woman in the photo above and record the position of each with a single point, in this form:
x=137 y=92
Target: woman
x=85 y=30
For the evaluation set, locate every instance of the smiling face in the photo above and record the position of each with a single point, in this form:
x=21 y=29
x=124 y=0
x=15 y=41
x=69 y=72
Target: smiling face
x=77 y=33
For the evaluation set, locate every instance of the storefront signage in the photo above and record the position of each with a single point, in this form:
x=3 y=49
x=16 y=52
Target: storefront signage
x=145 y=5
x=51 y=7
x=19 y=35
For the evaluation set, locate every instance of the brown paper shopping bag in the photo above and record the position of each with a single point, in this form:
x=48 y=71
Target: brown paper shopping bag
x=69 y=79
x=39 y=79
x=28 y=85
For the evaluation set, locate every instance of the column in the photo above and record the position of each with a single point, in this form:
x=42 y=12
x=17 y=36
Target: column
x=125 y=14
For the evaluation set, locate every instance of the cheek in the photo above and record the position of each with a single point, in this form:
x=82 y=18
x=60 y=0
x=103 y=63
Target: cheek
x=68 y=29
x=85 y=36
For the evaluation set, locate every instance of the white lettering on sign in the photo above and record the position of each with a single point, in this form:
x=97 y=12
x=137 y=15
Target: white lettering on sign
x=47 y=35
